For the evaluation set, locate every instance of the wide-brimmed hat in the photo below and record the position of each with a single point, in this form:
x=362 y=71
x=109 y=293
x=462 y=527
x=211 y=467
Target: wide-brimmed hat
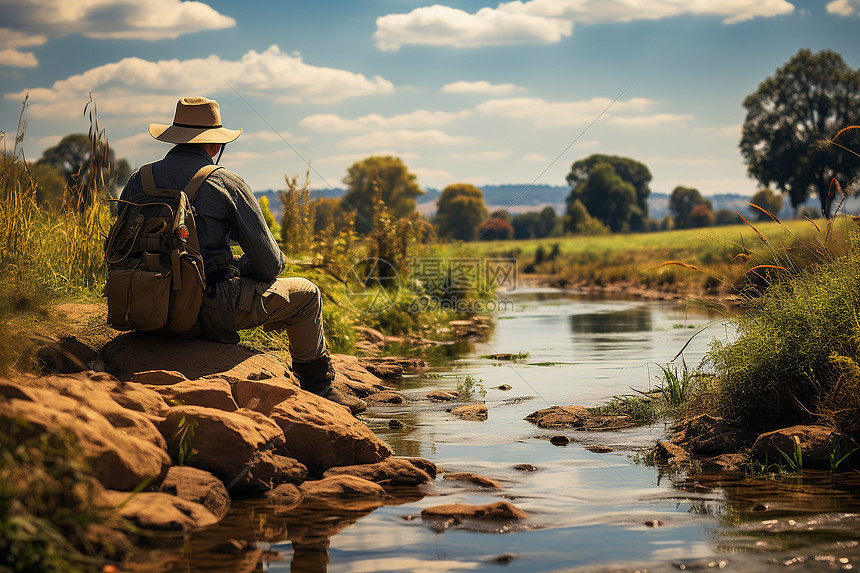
x=197 y=120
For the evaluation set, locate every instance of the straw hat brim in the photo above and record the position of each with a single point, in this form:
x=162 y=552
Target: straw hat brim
x=176 y=134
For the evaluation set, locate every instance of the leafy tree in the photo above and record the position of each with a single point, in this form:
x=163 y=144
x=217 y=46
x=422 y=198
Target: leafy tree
x=727 y=217
x=49 y=183
x=806 y=102
x=460 y=210
x=682 y=202
x=273 y=225
x=701 y=216
x=606 y=196
x=73 y=157
x=629 y=170
x=767 y=200
x=536 y=225
x=394 y=181
x=496 y=228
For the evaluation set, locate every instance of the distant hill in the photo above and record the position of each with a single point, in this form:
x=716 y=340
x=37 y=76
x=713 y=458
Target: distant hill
x=522 y=198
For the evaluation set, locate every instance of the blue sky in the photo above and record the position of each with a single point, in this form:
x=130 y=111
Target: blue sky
x=464 y=91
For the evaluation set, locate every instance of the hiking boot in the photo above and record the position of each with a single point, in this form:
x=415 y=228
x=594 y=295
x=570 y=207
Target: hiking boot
x=317 y=376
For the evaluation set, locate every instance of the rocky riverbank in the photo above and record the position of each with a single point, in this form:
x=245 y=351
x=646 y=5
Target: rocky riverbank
x=173 y=430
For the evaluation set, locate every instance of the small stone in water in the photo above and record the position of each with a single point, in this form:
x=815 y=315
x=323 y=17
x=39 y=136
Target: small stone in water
x=504 y=387
x=559 y=440
x=654 y=523
x=761 y=507
x=526 y=468
x=504 y=559
x=395 y=424
x=599 y=449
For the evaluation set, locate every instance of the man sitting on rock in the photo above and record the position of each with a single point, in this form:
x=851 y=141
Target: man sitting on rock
x=242 y=292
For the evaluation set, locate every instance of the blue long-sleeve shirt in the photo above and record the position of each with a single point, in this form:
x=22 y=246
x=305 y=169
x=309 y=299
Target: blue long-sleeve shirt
x=226 y=210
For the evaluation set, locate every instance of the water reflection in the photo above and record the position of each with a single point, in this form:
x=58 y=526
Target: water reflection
x=636 y=319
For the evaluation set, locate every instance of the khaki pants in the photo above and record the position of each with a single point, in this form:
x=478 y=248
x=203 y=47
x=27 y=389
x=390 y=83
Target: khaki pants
x=291 y=304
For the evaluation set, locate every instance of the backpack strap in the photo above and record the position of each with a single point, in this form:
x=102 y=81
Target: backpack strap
x=146 y=179
x=198 y=179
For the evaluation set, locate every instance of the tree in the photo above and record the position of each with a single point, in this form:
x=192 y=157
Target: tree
x=536 y=225
x=391 y=177
x=72 y=157
x=701 y=216
x=496 y=228
x=629 y=170
x=607 y=197
x=682 y=202
x=460 y=210
x=767 y=200
x=727 y=217
x=806 y=102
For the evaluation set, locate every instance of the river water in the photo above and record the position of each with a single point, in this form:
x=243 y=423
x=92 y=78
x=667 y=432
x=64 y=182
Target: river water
x=598 y=510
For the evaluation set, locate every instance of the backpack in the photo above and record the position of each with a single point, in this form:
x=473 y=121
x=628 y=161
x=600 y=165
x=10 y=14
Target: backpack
x=156 y=278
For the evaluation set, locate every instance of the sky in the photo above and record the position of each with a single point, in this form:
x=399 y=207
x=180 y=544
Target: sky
x=462 y=91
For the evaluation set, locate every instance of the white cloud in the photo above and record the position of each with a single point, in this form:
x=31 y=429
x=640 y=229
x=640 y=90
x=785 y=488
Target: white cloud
x=481 y=86
x=18 y=59
x=483 y=155
x=443 y=26
x=328 y=122
x=146 y=88
x=266 y=137
x=558 y=114
x=139 y=145
x=549 y=21
x=659 y=119
x=537 y=157
x=126 y=19
x=432 y=177
x=726 y=130
x=844 y=7
x=403 y=137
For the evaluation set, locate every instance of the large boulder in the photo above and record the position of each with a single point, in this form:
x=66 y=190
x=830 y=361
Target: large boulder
x=576 y=418
x=322 y=434
x=390 y=471
x=342 y=486
x=136 y=352
x=159 y=511
x=708 y=435
x=263 y=395
x=471 y=412
x=230 y=445
x=199 y=486
x=119 y=461
x=351 y=376
x=207 y=392
x=815 y=442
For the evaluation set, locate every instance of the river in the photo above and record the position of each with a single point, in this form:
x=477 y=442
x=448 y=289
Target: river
x=593 y=505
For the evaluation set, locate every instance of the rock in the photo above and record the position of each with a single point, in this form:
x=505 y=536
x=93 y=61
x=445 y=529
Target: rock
x=504 y=387
x=708 y=435
x=199 y=486
x=342 y=486
x=206 y=392
x=159 y=511
x=599 y=449
x=493 y=511
x=559 y=440
x=559 y=417
x=471 y=412
x=351 y=375
x=263 y=395
x=526 y=468
x=816 y=443
x=393 y=367
x=285 y=495
x=228 y=443
x=670 y=452
x=390 y=471
x=158 y=377
x=478 y=480
x=192 y=357
x=577 y=418
x=321 y=434
x=66 y=396
x=119 y=461
x=725 y=463
x=443 y=396
x=395 y=424
x=653 y=523
x=422 y=464
x=270 y=470
x=385 y=397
